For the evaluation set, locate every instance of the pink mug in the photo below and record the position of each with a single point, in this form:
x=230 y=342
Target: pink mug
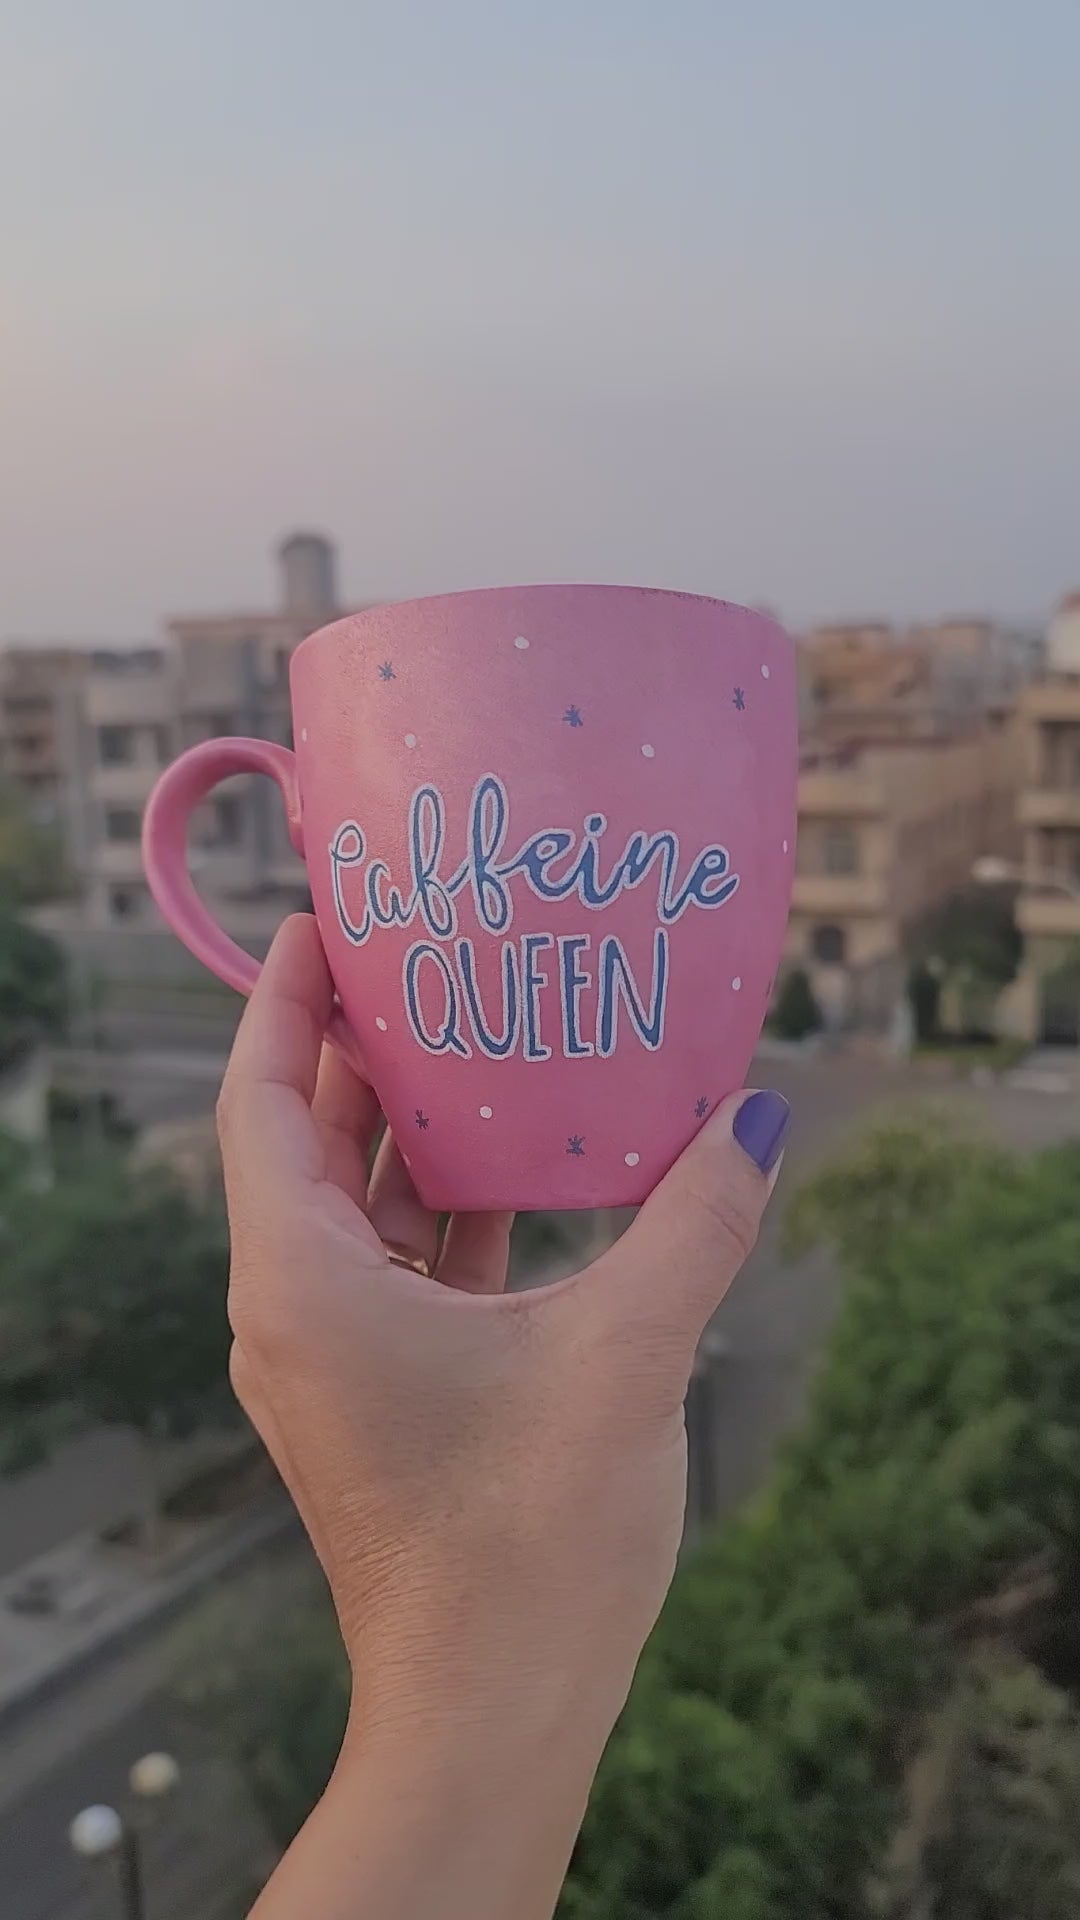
x=550 y=836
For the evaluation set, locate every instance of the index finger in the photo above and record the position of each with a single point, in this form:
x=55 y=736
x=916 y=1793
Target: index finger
x=264 y=1113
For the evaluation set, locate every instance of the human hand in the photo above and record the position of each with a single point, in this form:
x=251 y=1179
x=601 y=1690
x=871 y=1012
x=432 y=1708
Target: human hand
x=494 y=1483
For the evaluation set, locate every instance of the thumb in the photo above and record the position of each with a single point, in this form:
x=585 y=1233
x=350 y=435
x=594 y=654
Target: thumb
x=699 y=1225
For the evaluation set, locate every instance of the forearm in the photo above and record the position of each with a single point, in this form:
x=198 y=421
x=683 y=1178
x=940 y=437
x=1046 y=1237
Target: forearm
x=481 y=1833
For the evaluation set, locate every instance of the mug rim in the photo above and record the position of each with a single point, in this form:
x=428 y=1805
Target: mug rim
x=352 y=620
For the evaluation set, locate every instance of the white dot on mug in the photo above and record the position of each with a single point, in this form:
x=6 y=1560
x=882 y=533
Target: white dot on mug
x=380 y=1023
x=485 y=1113
x=303 y=733
x=785 y=846
x=648 y=752
x=736 y=985
x=764 y=671
x=410 y=739
x=521 y=643
x=632 y=1159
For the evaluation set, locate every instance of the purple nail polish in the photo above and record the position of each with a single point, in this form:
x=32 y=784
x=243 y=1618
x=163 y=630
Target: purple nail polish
x=761 y=1128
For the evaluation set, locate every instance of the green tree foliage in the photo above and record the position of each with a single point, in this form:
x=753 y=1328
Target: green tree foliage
x=759 y=1771
x=1006 y=1838
x=973 y=933
x=924 y=995
x=796 y=1013
x=265 y=1671
x=112 y=1298
x=31 y=855
x=810 y=1639
x=33 y=986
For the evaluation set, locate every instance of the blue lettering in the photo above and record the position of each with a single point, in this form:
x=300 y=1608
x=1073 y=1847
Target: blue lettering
x=394 y=912
x=639 y=855
x=427 y=826
x=446 y=1037
x=616 y=982
x=706 y=887
x=531 y=983
x=536 y=856
x=496 y=1049
x=347 y=850
x=573 y=980
x=487 y=831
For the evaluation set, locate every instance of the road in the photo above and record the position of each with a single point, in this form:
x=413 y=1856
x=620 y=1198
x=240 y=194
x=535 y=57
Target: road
x=774 y=1322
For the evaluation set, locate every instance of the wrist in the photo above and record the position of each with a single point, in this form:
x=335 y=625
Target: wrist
x=489 y=1731
x=475 y=1817
x=435 y=1690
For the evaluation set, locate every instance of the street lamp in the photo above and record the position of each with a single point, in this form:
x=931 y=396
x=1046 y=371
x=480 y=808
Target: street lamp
x=100 y=1833
x=990 y=871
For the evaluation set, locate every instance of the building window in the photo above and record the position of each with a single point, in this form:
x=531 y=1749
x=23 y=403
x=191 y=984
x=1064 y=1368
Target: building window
x=162 y=745
x=116 y=746
x=123 y=902
x=841 y=851
x=121 y=823
x=829 y=945
x=228 y=821
x=220 y=725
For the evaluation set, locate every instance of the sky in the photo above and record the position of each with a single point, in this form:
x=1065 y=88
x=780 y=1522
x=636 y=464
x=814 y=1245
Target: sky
x=779 y=302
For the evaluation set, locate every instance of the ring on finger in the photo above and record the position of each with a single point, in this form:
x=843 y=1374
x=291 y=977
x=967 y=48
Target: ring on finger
x=404 y=1257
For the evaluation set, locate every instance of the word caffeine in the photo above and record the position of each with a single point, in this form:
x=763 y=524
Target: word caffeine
x=439 y=974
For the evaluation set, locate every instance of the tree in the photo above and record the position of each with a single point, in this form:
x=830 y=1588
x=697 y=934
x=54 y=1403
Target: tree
x=924 y=995
x=974 y=940
x=31 y=855
x=1006 y=1827
x=269 y=1678
x=33 y=986
x=797 y=1013
x=759 y=1769
x=112 y=1298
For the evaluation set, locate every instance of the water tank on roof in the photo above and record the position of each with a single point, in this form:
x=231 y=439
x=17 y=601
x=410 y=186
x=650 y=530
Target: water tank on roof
x=308 y=579
x=1063 y=637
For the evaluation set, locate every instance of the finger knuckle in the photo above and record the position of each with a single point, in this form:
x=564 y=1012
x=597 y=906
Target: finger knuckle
x=259 y=1318
x=733 y=1219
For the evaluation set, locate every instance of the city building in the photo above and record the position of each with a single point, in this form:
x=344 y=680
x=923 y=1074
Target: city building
x=886 y=832
x=117 y=733
x=34 y=685
x=865 y=683
x=861 y=683
x=976 y=665
x=131 y=712
x=1044 y=1003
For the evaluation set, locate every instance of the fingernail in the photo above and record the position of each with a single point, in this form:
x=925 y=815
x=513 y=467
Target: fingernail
x=761 y=1128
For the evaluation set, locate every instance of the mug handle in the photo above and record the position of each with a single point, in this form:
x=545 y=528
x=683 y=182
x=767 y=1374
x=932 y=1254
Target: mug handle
x=164 y=848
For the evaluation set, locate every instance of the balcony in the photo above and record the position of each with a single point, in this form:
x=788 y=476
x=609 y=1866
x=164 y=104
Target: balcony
x=1050 y=806
x=1050 y=914
x=835 y=896
x=117 y=860
x=838 y=793
x=124 y=786
x=1052 y=699
x=138 y=698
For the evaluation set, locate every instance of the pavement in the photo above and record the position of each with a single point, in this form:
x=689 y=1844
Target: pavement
x=773 y=1324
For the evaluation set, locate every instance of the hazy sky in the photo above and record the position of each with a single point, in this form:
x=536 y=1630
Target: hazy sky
x=779 y=301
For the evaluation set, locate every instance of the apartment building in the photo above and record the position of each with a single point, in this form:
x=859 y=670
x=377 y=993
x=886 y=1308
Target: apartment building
x=863 y=683
x=1044 y=1004
x=34 y=684
x=132 y=712
x=886 y=831
x=866 y=683
x=116 y=731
